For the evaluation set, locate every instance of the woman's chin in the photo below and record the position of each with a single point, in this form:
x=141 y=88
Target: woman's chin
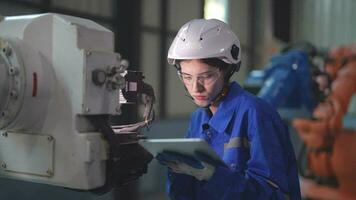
x=201 y=103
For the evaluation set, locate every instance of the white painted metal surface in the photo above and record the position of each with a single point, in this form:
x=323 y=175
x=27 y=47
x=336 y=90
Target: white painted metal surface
x=59 y=54
x=34 y=153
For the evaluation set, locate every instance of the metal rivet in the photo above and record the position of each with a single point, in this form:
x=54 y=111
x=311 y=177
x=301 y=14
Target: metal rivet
x=88 y=53
x=87 y=110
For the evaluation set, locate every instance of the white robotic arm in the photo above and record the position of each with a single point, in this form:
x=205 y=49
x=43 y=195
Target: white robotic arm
x=57 y=74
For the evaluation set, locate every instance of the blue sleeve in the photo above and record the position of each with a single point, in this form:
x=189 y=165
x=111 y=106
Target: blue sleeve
x=269 y=173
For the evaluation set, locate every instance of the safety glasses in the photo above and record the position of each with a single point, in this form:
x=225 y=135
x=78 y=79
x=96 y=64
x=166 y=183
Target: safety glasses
x=205 y=78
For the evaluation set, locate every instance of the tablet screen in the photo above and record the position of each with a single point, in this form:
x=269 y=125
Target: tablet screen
x=185 y=146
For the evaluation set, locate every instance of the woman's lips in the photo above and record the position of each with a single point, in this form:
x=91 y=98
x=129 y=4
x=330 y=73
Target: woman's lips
x=200 y=98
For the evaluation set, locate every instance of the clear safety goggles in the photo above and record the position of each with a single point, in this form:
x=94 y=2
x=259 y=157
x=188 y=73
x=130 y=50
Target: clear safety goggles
x=205 y=78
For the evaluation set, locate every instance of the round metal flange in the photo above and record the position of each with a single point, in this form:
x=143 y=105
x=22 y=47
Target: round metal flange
x=12 y=80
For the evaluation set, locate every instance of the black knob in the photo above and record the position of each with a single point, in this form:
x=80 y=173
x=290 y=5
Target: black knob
x=99 y=77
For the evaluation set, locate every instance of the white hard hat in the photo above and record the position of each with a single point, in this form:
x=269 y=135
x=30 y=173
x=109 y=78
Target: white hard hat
x=201 y=38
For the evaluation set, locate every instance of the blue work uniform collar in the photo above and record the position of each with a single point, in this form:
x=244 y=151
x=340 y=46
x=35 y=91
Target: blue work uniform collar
x=222 y=117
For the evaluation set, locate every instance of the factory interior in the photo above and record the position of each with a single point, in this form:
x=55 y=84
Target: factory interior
x=83 y=82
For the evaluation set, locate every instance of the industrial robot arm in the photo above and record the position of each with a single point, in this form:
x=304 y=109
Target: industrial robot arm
x=60 y=82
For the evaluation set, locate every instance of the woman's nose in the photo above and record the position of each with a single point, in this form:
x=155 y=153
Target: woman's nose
x=197 y=86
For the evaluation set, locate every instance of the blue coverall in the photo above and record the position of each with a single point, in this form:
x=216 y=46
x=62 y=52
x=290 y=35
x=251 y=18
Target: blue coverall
x=249 y=135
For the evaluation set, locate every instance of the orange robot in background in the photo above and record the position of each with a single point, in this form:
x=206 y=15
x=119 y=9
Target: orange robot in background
x=331 y=148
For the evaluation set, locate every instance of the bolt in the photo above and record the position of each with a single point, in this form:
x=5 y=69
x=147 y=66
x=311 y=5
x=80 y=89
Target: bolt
x=7 y=50
x=88 y=53
x=13 y=71
x=5 y=134
x=49 y=138
x=3 y=114
x=13 y=94
x=3 y=165
x=87 y=110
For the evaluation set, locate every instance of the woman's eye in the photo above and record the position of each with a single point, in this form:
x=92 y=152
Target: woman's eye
x=187 y=77
x=207 y=76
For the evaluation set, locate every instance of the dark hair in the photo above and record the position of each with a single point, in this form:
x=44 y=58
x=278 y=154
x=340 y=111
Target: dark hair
x=216 y=62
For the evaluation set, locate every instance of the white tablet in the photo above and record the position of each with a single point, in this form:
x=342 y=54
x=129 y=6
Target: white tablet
x=185 y=146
